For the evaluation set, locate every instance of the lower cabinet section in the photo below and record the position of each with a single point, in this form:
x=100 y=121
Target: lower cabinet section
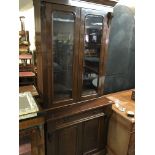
x=82 y=134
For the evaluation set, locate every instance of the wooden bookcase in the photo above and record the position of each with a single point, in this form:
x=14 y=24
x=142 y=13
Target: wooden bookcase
x=71 y=47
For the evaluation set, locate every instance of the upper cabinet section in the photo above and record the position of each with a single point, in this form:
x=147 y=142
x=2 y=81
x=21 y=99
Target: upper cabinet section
x=71 y=47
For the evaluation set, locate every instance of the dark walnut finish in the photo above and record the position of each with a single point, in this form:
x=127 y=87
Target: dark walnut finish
x=70 y=60
x=103 y=2
x=79 y=129
x=121 y=135
x=71 y=45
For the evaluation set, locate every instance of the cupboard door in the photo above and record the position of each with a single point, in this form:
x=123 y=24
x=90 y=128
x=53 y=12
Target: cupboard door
x=65 y=141
x=92 y=49
x=94 y=136
x=83 y=134
x=62 y=23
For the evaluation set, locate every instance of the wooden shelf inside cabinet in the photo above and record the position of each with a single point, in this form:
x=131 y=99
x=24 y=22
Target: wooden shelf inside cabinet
x=92 y=69
x=91 y=63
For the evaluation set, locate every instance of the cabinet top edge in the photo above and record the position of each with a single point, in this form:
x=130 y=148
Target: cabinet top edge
x=76 y=2
x=80 y=107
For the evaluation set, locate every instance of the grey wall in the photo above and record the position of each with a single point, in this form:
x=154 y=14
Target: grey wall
x=120 y=65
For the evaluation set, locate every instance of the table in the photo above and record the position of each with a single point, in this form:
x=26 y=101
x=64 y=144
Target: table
x=121 y=133
x=31 y=130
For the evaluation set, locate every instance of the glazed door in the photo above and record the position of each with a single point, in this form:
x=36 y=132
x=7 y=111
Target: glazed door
x=62 y=26
x=92 y=51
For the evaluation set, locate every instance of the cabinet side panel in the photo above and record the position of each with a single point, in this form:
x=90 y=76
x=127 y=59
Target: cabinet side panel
x=41 y=49
x=37 y=15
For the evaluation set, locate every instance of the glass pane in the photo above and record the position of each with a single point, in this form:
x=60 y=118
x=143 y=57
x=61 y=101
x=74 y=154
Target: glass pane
x=63 y=39
x=92 y=46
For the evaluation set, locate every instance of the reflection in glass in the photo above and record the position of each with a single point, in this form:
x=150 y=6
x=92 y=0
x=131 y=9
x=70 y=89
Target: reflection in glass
x=92 y=46
x=63 y=30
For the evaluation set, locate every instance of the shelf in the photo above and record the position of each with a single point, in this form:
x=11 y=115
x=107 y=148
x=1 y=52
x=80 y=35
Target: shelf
x=25 y=149
x=30 y=88
x=26 y=74
x=25 y=56
x=92 y=59
x=92 y=69
x=27 y=68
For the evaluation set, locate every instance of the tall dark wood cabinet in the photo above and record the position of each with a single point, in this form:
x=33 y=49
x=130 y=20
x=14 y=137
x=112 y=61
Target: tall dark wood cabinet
x=71 y=43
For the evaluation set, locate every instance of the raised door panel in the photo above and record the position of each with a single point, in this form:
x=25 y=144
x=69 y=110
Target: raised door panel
x=65 y=141
x=93 y=136
x=68 y=139
x=62 y=33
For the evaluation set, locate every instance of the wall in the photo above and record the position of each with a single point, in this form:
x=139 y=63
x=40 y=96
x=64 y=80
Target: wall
x=120 y=67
